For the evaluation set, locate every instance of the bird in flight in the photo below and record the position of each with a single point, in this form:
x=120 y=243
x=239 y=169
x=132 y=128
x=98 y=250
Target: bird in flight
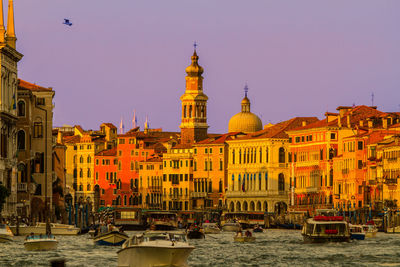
x=67 y=22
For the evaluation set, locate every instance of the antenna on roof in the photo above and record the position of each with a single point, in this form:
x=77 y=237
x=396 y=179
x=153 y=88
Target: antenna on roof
x=372 y=99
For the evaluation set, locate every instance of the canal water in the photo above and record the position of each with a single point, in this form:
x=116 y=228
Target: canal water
x=271 y=248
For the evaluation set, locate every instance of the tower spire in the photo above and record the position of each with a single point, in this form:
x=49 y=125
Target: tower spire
x=2 y=29
x=11 y=38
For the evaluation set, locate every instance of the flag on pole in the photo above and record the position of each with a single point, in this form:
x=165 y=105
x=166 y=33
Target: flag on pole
x=134 y=120
x=121 y=127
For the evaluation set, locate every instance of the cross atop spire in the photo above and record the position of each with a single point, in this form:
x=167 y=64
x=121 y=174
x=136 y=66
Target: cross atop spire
x=246 y=89
x=195 y=45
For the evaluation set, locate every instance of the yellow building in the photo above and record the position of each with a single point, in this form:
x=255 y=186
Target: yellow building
x=81 y=149
x=178 y=177
x=151 y=182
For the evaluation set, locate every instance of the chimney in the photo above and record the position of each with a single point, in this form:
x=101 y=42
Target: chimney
x=342 y=110
x=348 y=121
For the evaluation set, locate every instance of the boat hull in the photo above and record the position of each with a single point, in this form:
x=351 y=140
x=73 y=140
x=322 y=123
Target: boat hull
x=357 y=236
x=148 y=256
x=37 y=230
x=244 y=239
x=5 y=238
x=212 y=231
x=323 y=239
x=231 y=228
x=110 y=239
x=195 y=235
x=41 y=245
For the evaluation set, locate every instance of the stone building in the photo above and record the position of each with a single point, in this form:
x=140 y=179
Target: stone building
x=8 y=109
x=35 y=150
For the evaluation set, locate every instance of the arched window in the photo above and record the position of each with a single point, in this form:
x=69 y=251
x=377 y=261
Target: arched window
x=38 y=129
x=81 y=174
x=88 y=187
x=259 y=181
x=21 y=140
x=281 y=182
x=89 y=174
x=124 y=200
x=81 y=159
x=266 y=181
x=240 y=156
x=80 y=187
x=220 y=186
x=184 y=111
x=190 y=111
x=281 y=155
x=89 y=159
x=266 y=154
x=260 y=155
x=21 y=108
x=22 y=173
x=74 y=158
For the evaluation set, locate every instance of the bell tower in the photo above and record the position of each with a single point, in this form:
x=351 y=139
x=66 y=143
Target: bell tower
x=194 y=104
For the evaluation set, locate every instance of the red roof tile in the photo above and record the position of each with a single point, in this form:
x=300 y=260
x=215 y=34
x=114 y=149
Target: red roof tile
x=108 y=153
x=32 y=87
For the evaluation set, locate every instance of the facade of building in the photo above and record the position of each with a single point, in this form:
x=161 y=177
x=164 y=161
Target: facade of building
x=8 y=109
x=258 y=169
x=35 y=150
x=151 y=180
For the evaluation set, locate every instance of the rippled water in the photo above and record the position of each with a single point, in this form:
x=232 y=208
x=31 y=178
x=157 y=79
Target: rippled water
x=273 y=247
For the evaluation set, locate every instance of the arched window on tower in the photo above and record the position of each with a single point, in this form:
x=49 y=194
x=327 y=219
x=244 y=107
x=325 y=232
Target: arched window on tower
x=190 y=111
x=184 y=111
x=233 y=156
x=21 y=108
x=240 y=156
x=202 y=112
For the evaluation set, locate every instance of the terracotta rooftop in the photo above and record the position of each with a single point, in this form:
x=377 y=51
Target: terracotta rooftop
x=109 y=152
x=279 y=129
x=112 y=126
x=32 y=87
x=72 y=139
x=355 y=114
x=220 y=139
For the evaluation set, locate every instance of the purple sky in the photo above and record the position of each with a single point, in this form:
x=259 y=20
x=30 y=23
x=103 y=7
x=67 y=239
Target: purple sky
x=299 y=58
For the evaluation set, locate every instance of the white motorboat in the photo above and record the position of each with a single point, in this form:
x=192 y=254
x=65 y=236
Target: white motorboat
x=155 y=248
x=112 y=238
x=40 y=228
x=370 y=229
x=357 y=232
x=5 y=233
x=231 y=227
x=211 y=228
x=40 y=243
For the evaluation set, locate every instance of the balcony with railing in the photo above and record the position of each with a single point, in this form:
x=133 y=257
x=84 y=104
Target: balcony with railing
x=22 y=187
x=198 y=194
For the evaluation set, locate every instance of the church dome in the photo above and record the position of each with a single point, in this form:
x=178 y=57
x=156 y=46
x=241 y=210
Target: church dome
x=194 y=69
x=245 y=121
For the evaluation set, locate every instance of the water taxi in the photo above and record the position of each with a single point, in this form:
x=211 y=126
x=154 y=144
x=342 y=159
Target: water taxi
x=5 y=233
x=240 y=217
x=195 y=233
x=129 y=218
x=155 y=248
x=231 y=227
x=211 y=228
x=161 y=220
x=326 y=227
x=356 y=232
x=40 y=228
x=40 y=242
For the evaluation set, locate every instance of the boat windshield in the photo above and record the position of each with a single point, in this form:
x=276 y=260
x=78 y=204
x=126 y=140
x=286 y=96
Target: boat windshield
x=178 y=237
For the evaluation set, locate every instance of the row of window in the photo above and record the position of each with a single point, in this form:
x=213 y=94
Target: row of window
x=208 y=150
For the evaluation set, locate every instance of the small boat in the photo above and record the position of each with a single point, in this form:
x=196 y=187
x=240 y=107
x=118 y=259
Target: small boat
x=5 y=233
x=370 y=229
x=111 y=238
x=356 y=232
x=257 y=229
x=161 y=220
x=231 y=227
x=195 y=233
x=40 y=242
x=40 y=228
x=325 y=228
x=211 y=228
x=247 y=237
x=155 y=248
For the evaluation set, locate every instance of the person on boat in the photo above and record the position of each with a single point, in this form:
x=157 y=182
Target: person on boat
x=239 y=233
x=248 y=233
